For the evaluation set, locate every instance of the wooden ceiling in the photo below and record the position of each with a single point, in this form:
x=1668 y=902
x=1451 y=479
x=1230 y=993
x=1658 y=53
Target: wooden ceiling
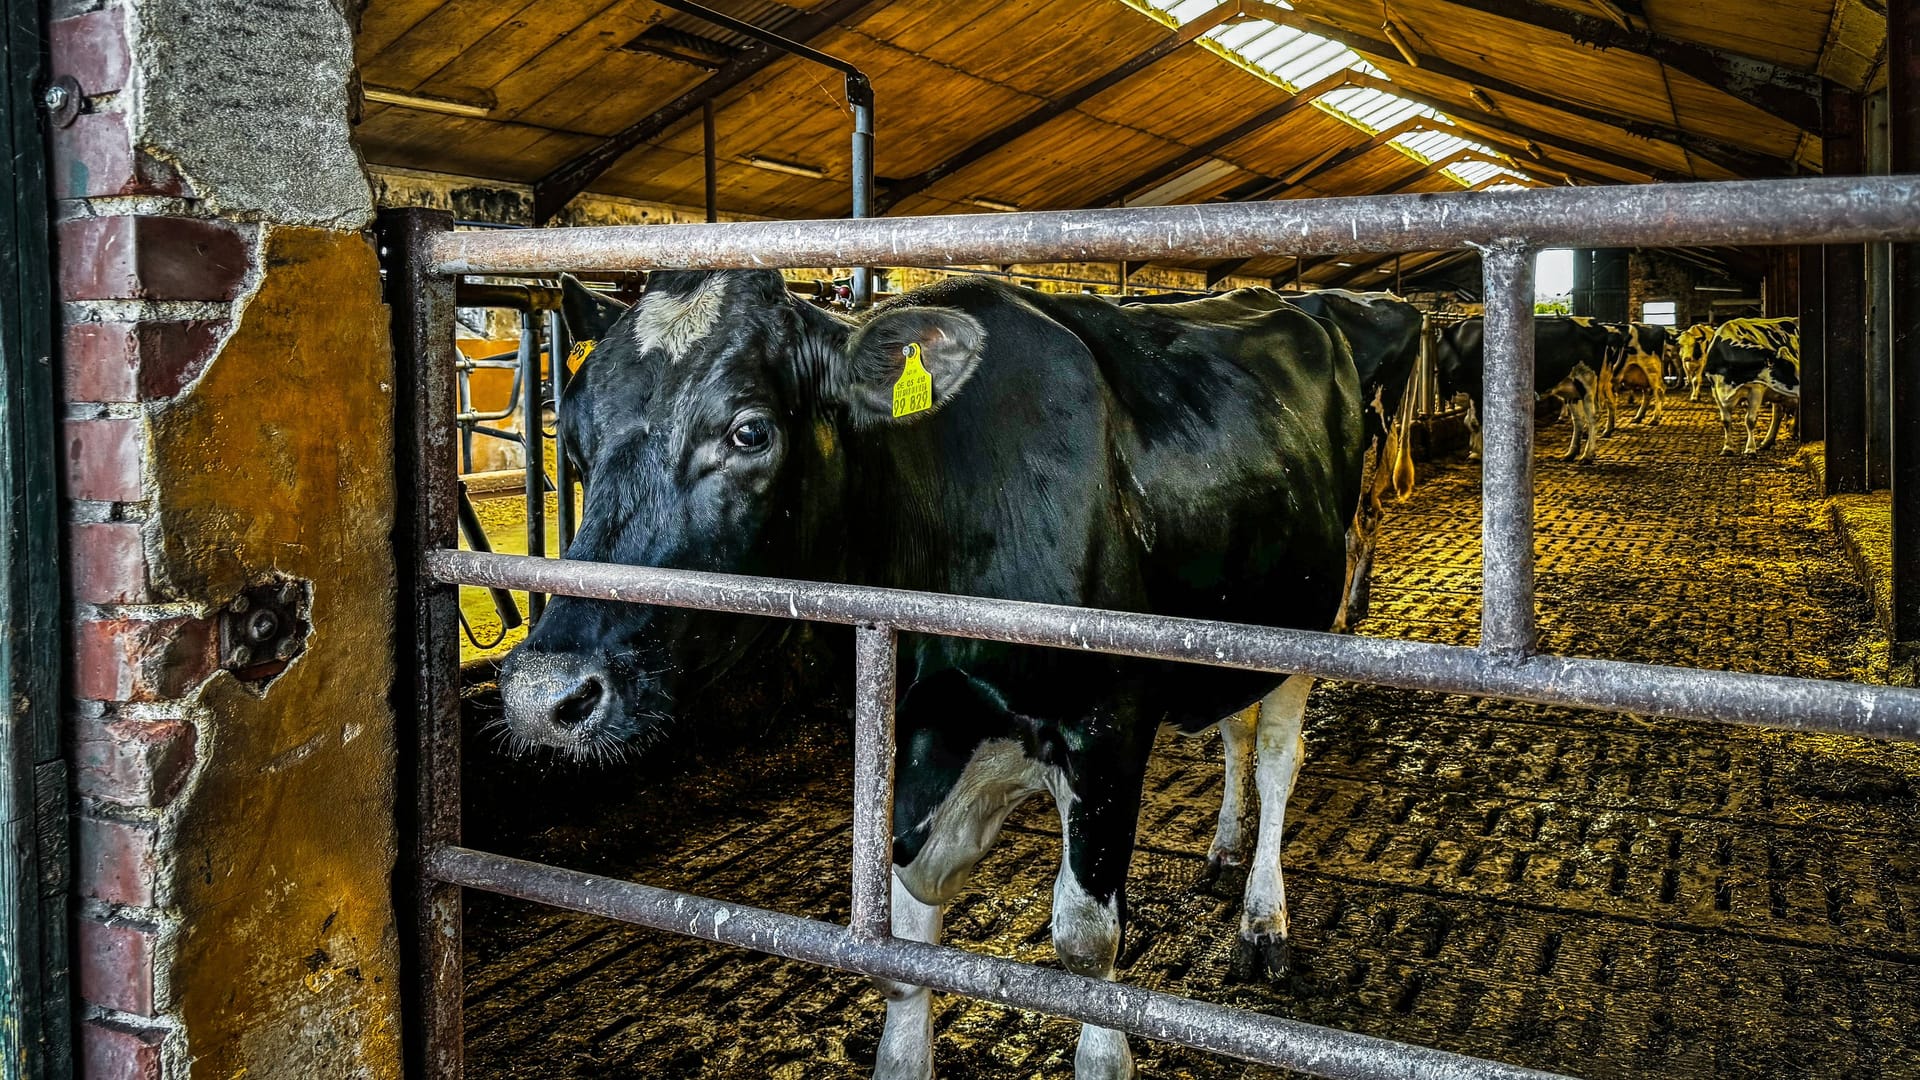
x=557 y=78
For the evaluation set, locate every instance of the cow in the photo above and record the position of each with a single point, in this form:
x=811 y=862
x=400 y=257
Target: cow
x=977 y=438
x=1693 y=357
x=1749 y=363
x=1636 y=365
x=1570 y=354
x=1383 y=332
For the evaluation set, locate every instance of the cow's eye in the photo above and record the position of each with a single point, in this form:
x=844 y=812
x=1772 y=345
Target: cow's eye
x=751 y=436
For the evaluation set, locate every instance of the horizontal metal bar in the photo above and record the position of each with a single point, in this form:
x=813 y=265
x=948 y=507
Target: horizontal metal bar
x=1610 y=685
x=1250 y=1036
x=1851 y=210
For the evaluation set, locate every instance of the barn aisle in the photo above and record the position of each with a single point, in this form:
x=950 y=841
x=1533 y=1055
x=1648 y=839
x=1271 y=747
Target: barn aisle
x=1570 y=890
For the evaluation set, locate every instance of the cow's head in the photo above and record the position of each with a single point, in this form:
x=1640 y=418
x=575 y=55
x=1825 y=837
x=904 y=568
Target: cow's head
x=708 y=427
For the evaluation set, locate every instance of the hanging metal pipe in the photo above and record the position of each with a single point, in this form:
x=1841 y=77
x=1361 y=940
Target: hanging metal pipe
x=860 y=96
x=536 y=469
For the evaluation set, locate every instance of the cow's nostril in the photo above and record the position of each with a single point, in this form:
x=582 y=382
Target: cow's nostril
x=579 y=705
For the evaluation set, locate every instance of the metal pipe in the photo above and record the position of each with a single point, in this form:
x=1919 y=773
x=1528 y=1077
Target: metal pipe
x=1506 y=516
x=559 y=348
x=1813 y=343
x=494 y=294
x=1852 y=210
x=476 y=537
x=1877 y=343
x=1239 y=1033
x=860 y=96
x=875 y=663
x=1610 y=685
x=535 y=448
x=426 y=635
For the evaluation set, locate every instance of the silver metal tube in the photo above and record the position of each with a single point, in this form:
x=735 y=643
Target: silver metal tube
x=1250 y=1036
x=860 y=94
x=1506 y=430
x=874 y=666
x=1610 y=685
x=1843 y=210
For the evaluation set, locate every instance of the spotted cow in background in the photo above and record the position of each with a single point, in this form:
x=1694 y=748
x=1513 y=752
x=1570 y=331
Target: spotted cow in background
x=1637 y=367
x=1693 y=344
x=1753 y=362
x=1569 y=356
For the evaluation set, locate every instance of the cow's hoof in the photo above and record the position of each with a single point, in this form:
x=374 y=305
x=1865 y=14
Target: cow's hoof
x=1262 y=958
x=1726 y=451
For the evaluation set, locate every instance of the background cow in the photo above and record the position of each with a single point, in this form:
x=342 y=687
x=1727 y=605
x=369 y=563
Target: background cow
x=1569 y=356
x=1693 y=357
x=1753 y=362
x=1070 y=451
x=1637 y=367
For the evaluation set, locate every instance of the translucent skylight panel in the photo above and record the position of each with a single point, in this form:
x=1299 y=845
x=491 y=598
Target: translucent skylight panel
x=1299 y=59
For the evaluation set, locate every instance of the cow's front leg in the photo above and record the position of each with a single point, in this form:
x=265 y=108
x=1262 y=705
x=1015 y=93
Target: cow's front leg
x=1279 y=748
x=906 y=1042
x=1099 y=809
x=1229 y=834
x=1751 y=417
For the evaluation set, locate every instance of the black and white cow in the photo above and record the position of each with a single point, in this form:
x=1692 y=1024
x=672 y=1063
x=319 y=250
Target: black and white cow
x=1636 y=366
x=1570 y=354
x=1693 y=344
x=1383 y=332
x=1752 y=362
x=1072 y=452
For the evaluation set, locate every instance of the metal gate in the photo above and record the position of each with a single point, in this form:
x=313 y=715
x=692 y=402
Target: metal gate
x=426 y=258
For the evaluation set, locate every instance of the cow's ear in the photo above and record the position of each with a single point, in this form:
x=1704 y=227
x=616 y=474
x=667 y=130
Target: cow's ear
x=589 y=313
x=907 y=362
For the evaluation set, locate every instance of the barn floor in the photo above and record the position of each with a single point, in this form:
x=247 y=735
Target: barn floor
x=1575 y=891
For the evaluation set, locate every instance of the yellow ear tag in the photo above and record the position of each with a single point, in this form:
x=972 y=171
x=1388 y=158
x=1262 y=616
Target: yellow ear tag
x=581 y=350
x=914 y=392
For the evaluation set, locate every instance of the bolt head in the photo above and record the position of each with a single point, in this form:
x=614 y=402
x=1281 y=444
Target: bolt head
x=239 y=656
x=263 y=625
x=286 y=649
x=239 y=604
x=56 y=98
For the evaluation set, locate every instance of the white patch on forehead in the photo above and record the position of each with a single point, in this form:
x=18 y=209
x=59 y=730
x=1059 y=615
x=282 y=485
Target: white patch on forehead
x=673 y=323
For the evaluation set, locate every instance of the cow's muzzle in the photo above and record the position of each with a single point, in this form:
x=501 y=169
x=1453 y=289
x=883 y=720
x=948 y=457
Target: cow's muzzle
x=568 y=702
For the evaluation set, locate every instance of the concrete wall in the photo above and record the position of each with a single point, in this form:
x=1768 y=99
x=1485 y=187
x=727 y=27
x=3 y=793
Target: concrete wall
x=227 y=377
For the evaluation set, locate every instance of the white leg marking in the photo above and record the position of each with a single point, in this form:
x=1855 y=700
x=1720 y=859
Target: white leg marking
x=906 y=1042
x=1086 y=937
x=996 y=779
x=1278 y=750
x=1229 y=836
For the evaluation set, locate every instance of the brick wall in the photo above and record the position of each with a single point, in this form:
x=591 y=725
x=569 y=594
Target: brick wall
x=167 y=240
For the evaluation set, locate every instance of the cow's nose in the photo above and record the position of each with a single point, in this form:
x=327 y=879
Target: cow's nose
x=555 y=700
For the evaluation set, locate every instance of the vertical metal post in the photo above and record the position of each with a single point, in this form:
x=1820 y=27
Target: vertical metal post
x=860 y=97
x=426 y=695
x=875 y=661
x=1506 y=526
x=1903 y=114
x=560 y=346
x=712 y=164
x=530 y=427
x=1813 y=343
x=1846 y=402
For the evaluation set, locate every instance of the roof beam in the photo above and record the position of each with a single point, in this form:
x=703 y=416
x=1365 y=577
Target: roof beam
x=1222 y=271
x=1228 y=11
x=1480 y=119
x=1306 y=96
x=552 y=192
x=1737 y=160
x=1324 y=165
x=1778 y=91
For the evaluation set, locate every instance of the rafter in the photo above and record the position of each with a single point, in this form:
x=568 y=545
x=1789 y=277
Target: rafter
x=999 y=138
x=552 y=192
x=1780 y=92
x=1735 y=159
x=1222 y=271
x=1169 y=169
x=1488 y=121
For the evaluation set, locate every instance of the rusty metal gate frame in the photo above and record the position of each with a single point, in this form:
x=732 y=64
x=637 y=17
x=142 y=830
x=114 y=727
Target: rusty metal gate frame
x=425 y=258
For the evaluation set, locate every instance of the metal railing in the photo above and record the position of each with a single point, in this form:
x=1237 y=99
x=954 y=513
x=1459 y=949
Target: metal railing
x=1507 y=227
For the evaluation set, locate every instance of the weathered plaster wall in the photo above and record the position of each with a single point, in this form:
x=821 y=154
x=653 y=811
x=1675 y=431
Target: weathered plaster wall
x=228 y=379
x=283 y=849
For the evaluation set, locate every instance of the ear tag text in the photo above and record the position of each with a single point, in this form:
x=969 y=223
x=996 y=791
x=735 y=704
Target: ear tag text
x=581 y=350
x=914 y=392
